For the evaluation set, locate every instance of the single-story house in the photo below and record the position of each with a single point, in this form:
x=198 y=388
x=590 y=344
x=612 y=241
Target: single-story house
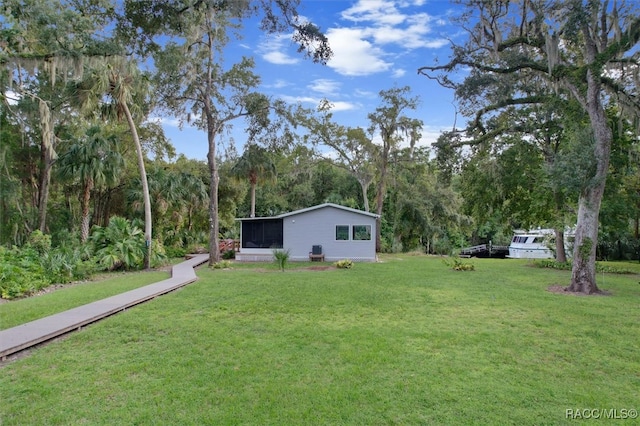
x=328 y=232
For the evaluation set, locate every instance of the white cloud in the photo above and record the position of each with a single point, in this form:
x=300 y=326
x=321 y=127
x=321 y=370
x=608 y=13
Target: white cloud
x=278 y=84
x=380 y=24
x=300 y=99
x=165 y=121
x=324 y=86
x=343 y=106
x=358 y=48
x=379 y=11
x=430 y=134
x=353 y=55
x=365 y=93
x=279 y=58
x=412 y=37
x=274 y=48
x=335 y=105
x=399 y=73
x=436 y=43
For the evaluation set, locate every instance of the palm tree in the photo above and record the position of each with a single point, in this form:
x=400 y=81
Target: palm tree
x=119 y=79
x=96 y=162
x=256 y=165
x=194 y=195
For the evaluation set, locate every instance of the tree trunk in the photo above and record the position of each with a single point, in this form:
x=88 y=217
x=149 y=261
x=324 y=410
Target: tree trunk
x=84 y=224
x=561 y=255
x=253 y=200
x=214 y=249
x=583 y=274
x=47 y=157
x=379 y=205
x=380 y=200
x=365 y=189
x=145 y=187
x=43 y=197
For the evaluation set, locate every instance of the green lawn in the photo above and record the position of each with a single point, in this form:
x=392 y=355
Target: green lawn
x=406 y=341
x=20 y=311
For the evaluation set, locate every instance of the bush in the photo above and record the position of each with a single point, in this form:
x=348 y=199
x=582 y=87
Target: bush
x=21 y=273
x=613 y=269
x=158 y=254
x=344 y=264
x=552 y=264
x=229 y=254
x=120 y=245
x=59 y=267
x=16 y=282
x=458 y=264
x=35 y=266
x=40 y=242
x=175 y=252
x=566 y=266
x=225 y=264
x=281 y=257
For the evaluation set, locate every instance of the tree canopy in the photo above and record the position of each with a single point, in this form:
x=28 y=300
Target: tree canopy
x=549 y=91
x=541 y=53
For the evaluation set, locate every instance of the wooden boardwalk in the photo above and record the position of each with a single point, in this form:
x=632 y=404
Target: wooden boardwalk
x=24 y=336
x=485 y=250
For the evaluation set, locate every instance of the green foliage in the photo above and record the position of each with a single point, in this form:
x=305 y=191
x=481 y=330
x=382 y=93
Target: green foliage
x=281 y=257
x=618 y=247
x=59 y=266
x=229 y=254
x=20 y=273
x=158 y=254
x=609 y=268
x=458 y=264
x=344 y=264
x=26 y=270
x=120 y=245
x=423 y=214
x=40 y=242
x=585 y=247
x=552 y=264
x=223 y=264
x=175 y=252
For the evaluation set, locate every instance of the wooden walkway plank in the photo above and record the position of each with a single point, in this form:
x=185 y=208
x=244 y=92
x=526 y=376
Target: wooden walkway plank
x=23 y=336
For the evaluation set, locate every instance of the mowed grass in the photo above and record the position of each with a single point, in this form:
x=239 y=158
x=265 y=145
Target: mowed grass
x=406 y=341
x=20 y=311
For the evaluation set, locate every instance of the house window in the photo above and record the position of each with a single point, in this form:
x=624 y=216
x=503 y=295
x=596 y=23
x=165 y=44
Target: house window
x=342 y=232
x=361 y=232
x=265 y=233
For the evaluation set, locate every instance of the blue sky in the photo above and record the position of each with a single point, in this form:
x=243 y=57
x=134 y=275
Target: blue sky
x=377 y=44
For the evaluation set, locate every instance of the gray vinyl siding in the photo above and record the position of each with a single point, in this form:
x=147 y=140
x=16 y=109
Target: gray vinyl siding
x=303 y=230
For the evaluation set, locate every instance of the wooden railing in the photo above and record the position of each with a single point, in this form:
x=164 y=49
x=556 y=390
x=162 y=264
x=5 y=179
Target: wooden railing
x=229 y=244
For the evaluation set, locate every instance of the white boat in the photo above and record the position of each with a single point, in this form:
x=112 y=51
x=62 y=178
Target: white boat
x=537 y=244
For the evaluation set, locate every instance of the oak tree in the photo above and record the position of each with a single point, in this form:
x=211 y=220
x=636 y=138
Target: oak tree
x=583 y=51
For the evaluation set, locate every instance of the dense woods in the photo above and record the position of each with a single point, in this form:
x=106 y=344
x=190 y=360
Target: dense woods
x=88 y=183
